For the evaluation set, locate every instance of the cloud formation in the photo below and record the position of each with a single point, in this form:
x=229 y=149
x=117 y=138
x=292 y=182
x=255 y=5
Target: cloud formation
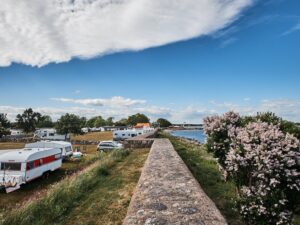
x=40 y=32
x=287 y=108
x=116 y=101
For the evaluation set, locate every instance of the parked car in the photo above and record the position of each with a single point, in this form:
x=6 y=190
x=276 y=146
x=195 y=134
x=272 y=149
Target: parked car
x=108 y=145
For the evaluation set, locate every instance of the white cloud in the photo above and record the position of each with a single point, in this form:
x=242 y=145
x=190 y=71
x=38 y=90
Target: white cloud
x=116 y=101
x=39 y=32
x=228 y=41
x=292 y=30
x=287 y=108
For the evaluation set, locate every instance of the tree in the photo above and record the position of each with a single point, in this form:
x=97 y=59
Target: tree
x=96 y=121
x=28 y=120
x=109 y=121
x=45 y=121
x=137 y=118
x=4 y=125
x=69 y=123
x=4 y=121
x=163 y=122
x=121 y=122
x=3 y=131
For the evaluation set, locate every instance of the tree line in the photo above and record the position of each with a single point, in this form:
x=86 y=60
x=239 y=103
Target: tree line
x=30 y=120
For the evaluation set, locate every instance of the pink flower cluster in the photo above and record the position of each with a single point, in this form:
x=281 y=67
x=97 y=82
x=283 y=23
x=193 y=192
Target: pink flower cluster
x=217 y=130
x=264 y=163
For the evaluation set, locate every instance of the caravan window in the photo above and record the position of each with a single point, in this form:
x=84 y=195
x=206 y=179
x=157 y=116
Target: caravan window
x=10 y=166
x=68 y=149
x=30 y=165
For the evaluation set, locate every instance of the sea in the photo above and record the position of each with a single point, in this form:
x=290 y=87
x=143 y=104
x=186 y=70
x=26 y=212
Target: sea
x=197 y=135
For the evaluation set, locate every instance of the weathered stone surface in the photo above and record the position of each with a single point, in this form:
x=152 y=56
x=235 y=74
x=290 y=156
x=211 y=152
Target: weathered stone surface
x=168 y=194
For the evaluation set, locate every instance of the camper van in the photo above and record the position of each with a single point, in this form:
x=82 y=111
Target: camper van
x=65 y=147
x=14 y=132
x=49 y=134
x=20 y=166
x=121 y=135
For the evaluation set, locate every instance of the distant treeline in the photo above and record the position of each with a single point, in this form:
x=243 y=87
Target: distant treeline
x=29 y=121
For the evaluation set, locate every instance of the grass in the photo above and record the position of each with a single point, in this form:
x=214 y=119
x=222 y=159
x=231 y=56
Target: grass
x=99 y=195
x=205 y=170
x=11 y=145
x=93 y=136
x=39 y=187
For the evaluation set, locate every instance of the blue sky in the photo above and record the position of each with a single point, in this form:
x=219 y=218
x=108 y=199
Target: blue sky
x=249 y=65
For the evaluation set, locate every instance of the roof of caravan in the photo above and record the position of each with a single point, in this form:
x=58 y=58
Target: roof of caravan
x=48 y=144
x=27 y=154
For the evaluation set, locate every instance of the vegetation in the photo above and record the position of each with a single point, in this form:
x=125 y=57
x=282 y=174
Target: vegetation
x=45 y=121
x=137 y=118
x=69 y=123
x=205 y=169
x=28 y=120
x=163 y=122
x=93 y=136
x=260 y=156
x=99 y=195
x=4 y=122
x=122 y=122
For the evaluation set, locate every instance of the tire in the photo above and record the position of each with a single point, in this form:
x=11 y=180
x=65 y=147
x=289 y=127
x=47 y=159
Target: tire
x=45 y=175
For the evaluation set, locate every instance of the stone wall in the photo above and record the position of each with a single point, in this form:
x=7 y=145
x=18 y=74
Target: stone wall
x=168 y=194
x=142 y=141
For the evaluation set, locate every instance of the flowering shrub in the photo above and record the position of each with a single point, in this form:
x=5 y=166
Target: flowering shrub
x=262 y=160
x=216 y=129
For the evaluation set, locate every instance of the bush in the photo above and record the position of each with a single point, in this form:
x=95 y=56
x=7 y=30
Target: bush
x=260 y=155
x=216 y=129
x=263 y=163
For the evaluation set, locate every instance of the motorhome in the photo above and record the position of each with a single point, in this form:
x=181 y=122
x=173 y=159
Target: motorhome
x=50 y=134
x=20 y=166
x=14 y=132
x=65 y=147
x=121 y=135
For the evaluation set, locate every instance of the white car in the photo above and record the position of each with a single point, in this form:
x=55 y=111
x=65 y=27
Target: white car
x=108 y=145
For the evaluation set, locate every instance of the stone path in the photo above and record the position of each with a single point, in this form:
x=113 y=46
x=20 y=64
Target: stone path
x=168 y=194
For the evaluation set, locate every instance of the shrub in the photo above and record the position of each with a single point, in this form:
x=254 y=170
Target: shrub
x=263 y=162
x=216 y=129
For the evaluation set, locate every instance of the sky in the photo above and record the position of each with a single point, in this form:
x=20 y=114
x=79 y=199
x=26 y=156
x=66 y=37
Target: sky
x=181 y=60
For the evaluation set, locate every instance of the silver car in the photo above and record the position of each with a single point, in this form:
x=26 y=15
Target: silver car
x=108 y=145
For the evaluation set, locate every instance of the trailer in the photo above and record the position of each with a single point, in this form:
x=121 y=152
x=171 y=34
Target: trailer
x=21 y=166
x=64 y=146
x=121 y=135
x=50 y=134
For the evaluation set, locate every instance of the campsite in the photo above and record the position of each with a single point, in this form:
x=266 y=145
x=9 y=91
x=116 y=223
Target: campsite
x=39 y=186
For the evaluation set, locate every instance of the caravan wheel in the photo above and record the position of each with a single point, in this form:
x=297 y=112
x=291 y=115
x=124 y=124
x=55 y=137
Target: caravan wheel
x=46 y=175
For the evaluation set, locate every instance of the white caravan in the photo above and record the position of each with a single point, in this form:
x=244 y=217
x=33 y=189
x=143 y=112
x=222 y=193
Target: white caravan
x=65 y=147
x=121 y=135
x=20 y=166
x=14 y=132
x=49 y=134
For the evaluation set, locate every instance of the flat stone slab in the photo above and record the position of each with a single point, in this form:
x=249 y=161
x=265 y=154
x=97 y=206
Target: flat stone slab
x=168 y=194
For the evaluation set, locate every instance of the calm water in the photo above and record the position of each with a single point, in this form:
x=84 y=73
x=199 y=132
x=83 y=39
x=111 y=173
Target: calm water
x=192 y=134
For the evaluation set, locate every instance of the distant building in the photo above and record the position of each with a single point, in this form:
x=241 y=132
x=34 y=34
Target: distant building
x=141 y=125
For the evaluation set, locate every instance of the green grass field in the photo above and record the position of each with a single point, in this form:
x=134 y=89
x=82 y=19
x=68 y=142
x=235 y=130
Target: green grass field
x=99 y=195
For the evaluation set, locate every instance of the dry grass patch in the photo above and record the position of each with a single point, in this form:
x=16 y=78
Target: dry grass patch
x=93 y=136
x=11 y=145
